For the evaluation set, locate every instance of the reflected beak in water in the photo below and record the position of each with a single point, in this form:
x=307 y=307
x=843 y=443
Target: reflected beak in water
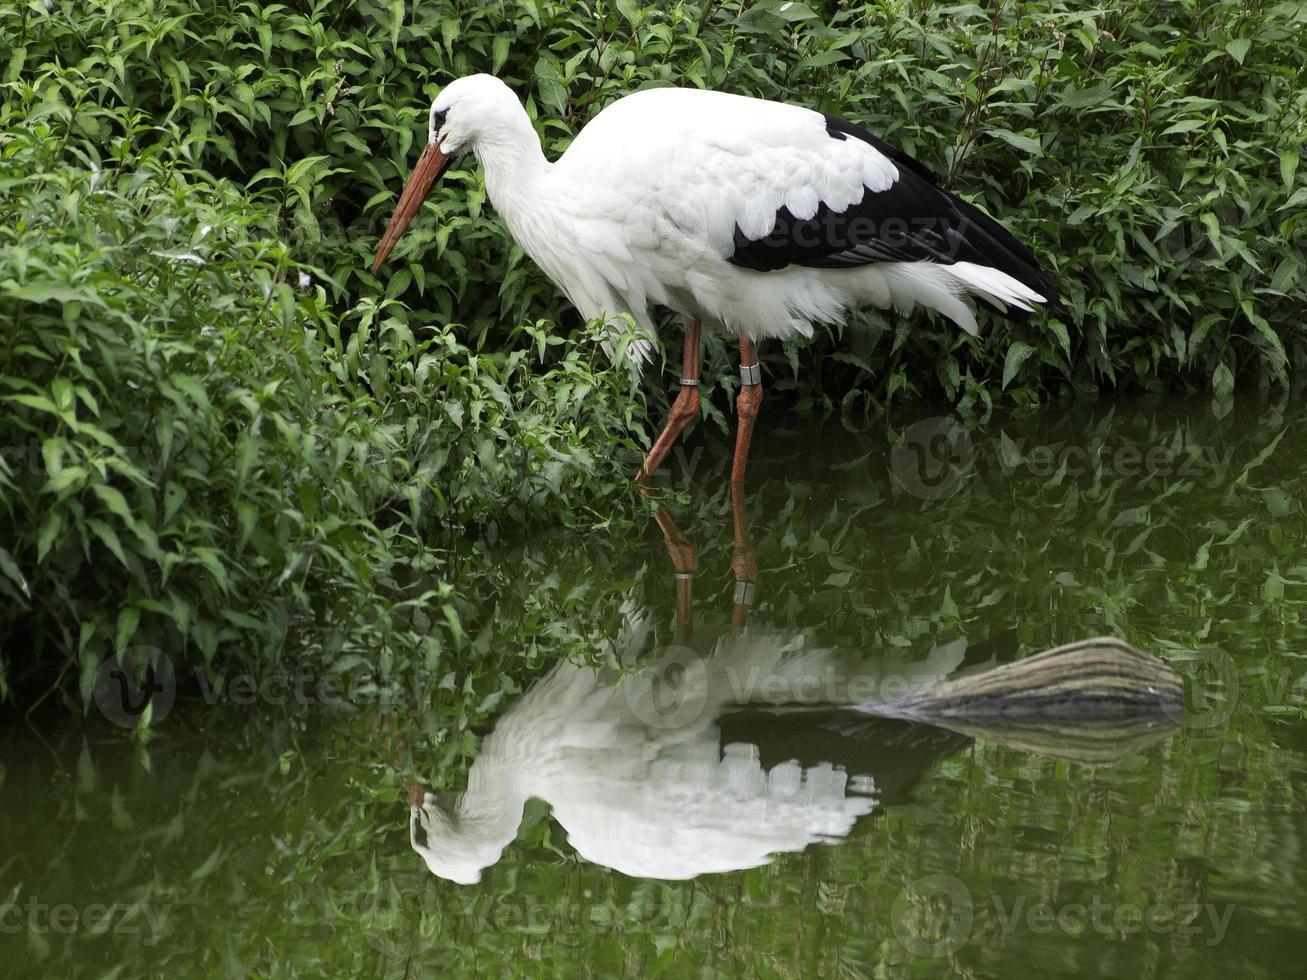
x=430 y=166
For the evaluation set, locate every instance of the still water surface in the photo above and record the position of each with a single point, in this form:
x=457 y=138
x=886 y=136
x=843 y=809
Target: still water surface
x=625 y=816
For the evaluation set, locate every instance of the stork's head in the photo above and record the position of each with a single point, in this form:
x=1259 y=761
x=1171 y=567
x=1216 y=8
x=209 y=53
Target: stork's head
x=469 y=113
x=457 y=845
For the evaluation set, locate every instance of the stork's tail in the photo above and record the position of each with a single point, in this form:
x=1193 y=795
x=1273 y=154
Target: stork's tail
x=1006 y=255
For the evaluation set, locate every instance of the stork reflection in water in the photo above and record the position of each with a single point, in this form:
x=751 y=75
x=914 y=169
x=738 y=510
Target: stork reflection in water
x=722 y=753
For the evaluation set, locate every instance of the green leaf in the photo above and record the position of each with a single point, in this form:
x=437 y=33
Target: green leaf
x=10 y=568
x=15 y=65
x=50 y=292
x=192 y=387
x=499 y=52
x=1238 y=48
x=396 y=21
x=174 y=495
x=1213 y=225
x=116 y=503
x=1288 y=167
x=109 y=537
x=209 y=866
x=1026 y=144
x=1222 y=381
x=794 y=11
x=52 y=526
x=1016 y=356
x=128 y=619
x=631 y=10
x=70 y=477
x=38 y=402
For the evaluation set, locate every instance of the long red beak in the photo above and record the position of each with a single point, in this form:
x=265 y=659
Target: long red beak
x=431 y=164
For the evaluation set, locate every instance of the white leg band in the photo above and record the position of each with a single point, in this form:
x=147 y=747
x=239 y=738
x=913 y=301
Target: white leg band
x=750 y=374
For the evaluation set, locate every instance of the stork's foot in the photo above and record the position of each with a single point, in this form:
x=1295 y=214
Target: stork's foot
x=684 y=410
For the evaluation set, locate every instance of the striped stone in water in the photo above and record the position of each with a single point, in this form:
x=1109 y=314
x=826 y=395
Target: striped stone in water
x=1092 y=701
x=1099 y=678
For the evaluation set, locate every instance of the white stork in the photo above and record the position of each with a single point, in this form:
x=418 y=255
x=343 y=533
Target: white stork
x=754 y=217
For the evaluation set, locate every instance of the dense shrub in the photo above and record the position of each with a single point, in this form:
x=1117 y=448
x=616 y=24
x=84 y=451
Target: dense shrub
x=194 y=457
x=203 y=455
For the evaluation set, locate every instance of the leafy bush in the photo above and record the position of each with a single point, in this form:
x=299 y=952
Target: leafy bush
x=195 y=458
x=201 y=455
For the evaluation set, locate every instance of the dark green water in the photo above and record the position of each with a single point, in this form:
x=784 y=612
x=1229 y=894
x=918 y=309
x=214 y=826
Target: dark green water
x=255 y=835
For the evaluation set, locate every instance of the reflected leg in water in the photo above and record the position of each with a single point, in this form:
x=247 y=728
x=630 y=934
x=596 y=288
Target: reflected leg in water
x=747 y=404
x=744 y=561
x=684 y=410
x=681 y=551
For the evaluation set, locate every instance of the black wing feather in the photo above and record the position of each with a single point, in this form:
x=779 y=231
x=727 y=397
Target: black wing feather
x=915 y=220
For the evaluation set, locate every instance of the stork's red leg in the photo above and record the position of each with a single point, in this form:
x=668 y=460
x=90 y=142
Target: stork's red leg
x=684 y=410
x=747 y=403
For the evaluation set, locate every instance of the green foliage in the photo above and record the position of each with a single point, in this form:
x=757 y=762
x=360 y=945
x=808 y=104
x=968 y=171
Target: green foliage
x=201 y=455
x=196 y=458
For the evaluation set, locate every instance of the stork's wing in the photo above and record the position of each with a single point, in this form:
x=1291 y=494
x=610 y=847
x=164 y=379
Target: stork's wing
x=680 y=179
x=912 y=220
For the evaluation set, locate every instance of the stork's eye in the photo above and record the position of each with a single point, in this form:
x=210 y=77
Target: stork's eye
x=438 y=120
x=419 y=831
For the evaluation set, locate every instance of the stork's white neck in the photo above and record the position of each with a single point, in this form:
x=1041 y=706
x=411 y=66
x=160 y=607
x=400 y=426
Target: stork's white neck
x=514 y=164
x=490 y=811
x=520 y=188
